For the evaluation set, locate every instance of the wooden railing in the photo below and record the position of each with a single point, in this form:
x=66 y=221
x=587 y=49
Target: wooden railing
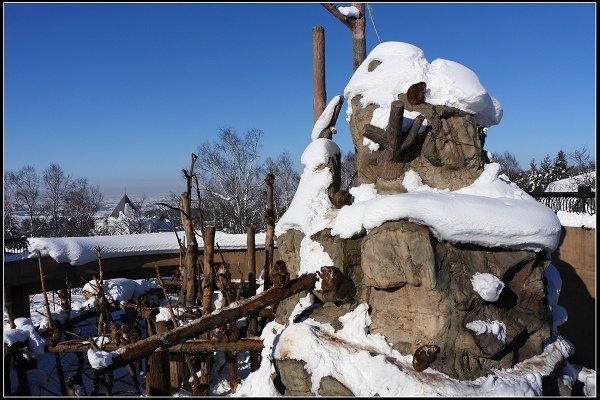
x=582 y=201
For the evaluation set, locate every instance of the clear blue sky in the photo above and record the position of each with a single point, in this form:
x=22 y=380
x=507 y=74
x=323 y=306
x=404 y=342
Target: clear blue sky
x=122 y=94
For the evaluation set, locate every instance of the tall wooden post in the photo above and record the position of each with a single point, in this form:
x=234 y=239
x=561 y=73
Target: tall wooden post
x=190 y=268
x=208 y=266
x=253 y=322
x=207 y=306
x=359 y=46
x=357 y=26
x=270 y=234
x=319 y=91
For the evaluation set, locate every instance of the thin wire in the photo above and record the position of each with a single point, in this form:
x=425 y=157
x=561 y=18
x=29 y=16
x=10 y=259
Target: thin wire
x=373 y=21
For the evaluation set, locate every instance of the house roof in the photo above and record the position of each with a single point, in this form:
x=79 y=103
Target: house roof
x=121 y=206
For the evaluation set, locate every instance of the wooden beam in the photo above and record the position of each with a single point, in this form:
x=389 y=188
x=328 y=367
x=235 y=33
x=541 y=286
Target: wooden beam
x=336 y=13
x=192 y=346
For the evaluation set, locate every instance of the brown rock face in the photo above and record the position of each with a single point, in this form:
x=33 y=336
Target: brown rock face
x=414 y=315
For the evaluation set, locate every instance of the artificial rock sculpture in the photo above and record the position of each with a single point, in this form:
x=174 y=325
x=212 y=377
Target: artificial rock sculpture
x=418 y=284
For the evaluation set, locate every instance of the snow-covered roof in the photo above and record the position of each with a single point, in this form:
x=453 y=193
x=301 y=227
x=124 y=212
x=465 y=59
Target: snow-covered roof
x=570 y=184
x=81 y=250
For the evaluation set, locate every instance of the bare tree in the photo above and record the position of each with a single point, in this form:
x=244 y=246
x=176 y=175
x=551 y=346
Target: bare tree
x=82 y=201
x=583 y=166
x=287 y=179
x=56 y=184
x=10 y=225
x=25 y=188
x=348 y=170
x=230 y=173
x=510 y=165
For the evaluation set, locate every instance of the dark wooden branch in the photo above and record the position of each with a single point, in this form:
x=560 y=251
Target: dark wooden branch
x=412 y=134
x=328 y=131
x=145 y=347
x=173 y=208
x=379 y=136
x=46 y=302
x=192 y=346
x=336 y=13
x=396 y=118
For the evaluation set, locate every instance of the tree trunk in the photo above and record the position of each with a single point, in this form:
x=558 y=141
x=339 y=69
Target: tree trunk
x=253 y=322
x=157 y=378
x=190 y=268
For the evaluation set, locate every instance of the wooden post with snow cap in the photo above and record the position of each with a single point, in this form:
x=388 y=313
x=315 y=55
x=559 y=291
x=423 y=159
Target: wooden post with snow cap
x=319 y=91
x=357 y=26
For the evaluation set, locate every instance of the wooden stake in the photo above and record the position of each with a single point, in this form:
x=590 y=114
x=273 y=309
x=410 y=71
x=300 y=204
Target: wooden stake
x=252 y=322
x=319 y=91
x=359 y=46
x=270 y=235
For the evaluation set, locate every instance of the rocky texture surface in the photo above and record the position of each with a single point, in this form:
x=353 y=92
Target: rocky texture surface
x=418 y=289
x=449 y=155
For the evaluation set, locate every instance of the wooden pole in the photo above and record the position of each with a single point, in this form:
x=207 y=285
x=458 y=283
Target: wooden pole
x=253 y=322
x=157 y=378
x=51 y=328
x=359 y=46
x=190 y=268
x=145 y=347
x=357 y=25
x=202 y=386
x=46 y=303
x=270 y=234
x=319 y=91
x=208 y=266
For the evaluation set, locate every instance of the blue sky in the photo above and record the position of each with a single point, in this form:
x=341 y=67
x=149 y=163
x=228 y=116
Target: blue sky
x=122 y=94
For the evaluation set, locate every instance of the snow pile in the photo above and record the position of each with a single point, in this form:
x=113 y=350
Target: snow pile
x=496 y=328
x=24 y=331
x=576 y=220
x=351 y=11
x=119 y=290
x=325 y=117
x=310 y=208
x=487 y=286
x=491 y=212
x=402 y=64
x=389 y=372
